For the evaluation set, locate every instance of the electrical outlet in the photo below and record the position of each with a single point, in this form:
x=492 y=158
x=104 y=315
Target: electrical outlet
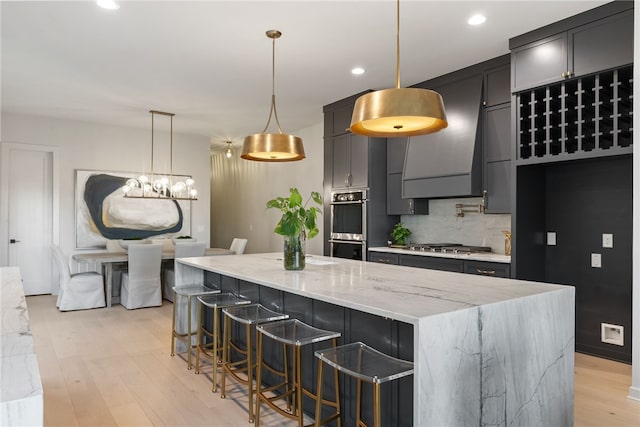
x=596 y=260
x=551 y=238
x=607 y=240
x=612 y=334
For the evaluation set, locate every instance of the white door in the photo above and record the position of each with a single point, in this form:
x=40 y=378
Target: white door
x=28 y=181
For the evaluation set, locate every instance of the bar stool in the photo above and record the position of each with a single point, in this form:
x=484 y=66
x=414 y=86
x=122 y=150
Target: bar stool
x=363 y=363
x=213 y=349
x=293 y=334
x=187 y=292
x=248 y=315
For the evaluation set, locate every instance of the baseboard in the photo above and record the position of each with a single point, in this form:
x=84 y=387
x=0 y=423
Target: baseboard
x=634 y=393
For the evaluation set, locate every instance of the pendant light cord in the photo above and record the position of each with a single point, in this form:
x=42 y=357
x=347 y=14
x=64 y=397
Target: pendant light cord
x=273 y=111
x=398 y=44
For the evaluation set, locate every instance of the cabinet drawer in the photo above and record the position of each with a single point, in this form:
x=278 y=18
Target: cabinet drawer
x=433 y=263
x=495 y=269
x=383 y=258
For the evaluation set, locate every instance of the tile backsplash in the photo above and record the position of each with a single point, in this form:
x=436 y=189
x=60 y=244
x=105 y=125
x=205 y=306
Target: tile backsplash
x=443 y=226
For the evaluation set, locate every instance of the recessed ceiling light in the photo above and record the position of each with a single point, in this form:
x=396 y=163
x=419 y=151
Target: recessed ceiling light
x=476 y=20
x=357 y=71
x=108 y=4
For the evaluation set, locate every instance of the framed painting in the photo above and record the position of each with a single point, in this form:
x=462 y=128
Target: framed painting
x=104 y=213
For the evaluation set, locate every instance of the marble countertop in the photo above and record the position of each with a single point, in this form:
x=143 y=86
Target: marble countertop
x=480 y=256
x=20 y=380
x=401 y=293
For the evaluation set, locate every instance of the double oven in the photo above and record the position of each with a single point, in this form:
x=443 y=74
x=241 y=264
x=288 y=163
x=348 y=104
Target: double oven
x=348 y=238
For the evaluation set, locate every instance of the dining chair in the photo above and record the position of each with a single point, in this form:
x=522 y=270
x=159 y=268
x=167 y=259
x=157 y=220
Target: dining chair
x=238 y=245
x=183 y=250
x=78 y=291
x=141 y=285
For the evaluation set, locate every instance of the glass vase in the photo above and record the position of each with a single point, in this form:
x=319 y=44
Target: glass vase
x=294 y=253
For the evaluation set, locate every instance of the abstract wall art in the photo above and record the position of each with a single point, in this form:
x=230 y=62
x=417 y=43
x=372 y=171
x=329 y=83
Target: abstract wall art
x=103 y=213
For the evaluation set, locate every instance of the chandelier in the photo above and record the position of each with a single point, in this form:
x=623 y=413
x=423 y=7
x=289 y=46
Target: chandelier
x=161 y=186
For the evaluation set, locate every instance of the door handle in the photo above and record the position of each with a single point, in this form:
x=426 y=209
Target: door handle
x=12 y=241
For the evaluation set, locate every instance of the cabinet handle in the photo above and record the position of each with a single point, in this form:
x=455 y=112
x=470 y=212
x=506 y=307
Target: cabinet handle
x=346 y=179
x=569 y=73
x=349 y=179
x=481 y=271
x=563 y=75
x=410 y=202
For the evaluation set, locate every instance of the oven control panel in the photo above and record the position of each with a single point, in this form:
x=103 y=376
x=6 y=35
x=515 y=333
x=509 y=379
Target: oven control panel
x=349 y=196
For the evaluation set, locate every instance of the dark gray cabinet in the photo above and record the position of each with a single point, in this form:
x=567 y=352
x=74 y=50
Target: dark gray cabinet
x=350 y=161
x=383 y=258
x=497 y=159
x=396 y=205
x=433 y=263
x=483 y=268
x=497 y=85
x=599 y=45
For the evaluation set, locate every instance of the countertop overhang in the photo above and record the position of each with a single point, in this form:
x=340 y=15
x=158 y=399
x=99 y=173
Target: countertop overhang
x=401 y=293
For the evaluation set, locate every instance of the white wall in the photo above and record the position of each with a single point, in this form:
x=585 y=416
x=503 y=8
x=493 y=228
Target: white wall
x=90 y=146
x=241 y=188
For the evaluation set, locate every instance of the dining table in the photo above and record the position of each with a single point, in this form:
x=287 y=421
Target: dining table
x=110 y=259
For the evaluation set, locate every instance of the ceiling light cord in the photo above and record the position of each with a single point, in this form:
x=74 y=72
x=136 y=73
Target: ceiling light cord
x=273 y=111
x=398 y=44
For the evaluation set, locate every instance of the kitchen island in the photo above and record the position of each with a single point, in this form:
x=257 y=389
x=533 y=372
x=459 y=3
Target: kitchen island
x=486 y=350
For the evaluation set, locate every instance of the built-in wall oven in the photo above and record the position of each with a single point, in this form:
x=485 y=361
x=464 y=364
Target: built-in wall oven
x=349 y=224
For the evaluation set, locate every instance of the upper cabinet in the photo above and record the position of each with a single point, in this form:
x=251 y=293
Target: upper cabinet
x=350 y=161
x=595 y=41
x=396 y=205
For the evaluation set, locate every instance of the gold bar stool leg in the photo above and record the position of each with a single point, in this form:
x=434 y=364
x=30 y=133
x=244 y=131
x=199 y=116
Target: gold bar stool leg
x=189 y=348
x=298 y=385
x=250 y=373
x=216 y=337
x=173 y=326
x=359 y=400
x=376 y=405
x=319 y=395
x=258 y=375
x=225 y=354
x=199 y=339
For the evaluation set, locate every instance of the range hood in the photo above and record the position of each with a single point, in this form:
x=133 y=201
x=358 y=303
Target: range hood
x=448 y=163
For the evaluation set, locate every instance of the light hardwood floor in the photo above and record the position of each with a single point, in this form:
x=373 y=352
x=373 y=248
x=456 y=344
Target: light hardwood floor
x=111 y=367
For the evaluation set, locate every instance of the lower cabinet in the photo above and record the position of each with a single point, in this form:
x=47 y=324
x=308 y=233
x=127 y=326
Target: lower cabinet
x=483 y=268
x=383 y=258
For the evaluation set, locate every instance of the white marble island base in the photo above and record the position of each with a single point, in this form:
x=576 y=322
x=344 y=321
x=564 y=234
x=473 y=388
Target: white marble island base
x=21 y=400
x=487 y=351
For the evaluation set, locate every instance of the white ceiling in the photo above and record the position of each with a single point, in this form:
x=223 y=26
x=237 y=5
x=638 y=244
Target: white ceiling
x=210 y=61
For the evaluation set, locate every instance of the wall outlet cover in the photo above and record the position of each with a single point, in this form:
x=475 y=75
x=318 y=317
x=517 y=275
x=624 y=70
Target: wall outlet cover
x=596 y=260
x=612 y=334
x=607 y=240
x=551 y=238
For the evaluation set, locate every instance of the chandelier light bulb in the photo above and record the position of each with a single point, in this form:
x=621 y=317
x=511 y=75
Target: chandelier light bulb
x=189 y=182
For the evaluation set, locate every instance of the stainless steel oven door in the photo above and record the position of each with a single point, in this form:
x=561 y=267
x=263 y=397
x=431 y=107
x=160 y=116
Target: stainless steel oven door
x=349 y=221
x=349 y=249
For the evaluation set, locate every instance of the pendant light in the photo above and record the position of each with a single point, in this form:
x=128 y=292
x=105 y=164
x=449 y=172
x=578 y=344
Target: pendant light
x=228 y=152
x=273 y=147
x=399 y=111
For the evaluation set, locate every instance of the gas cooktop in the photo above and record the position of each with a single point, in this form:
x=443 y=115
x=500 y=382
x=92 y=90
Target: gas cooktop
x=451 y=248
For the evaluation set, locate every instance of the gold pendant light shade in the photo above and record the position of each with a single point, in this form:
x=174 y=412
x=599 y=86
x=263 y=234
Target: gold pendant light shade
x=398 y=112
x=272 y=147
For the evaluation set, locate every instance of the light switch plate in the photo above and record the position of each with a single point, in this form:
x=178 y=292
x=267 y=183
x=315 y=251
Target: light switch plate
x=551 y=238
x=607 y=240
x=596 y=260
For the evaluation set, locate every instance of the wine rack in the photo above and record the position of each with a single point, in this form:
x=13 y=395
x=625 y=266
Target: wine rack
x=590 y=116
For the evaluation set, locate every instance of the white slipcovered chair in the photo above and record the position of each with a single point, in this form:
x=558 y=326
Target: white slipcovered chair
x=238 y=245
x=183 y=250
x=141 y=285
x=78 y=291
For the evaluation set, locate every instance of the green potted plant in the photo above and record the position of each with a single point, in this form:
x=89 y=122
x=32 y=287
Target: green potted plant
x=400 y=234
x=298 y=223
